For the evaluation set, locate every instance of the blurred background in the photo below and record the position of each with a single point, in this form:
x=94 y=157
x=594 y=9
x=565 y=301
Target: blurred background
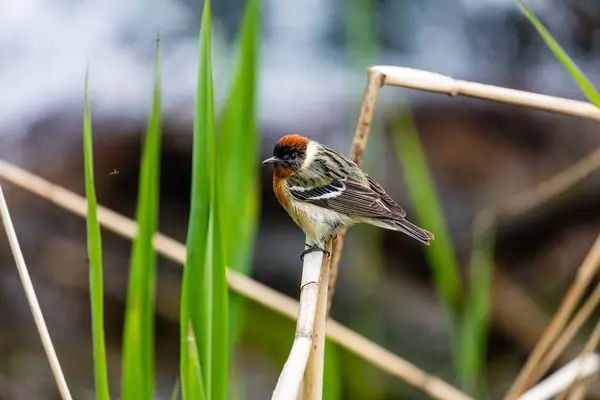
x=312 y=72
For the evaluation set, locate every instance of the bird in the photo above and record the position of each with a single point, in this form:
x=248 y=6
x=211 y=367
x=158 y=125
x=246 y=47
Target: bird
x=324 y=192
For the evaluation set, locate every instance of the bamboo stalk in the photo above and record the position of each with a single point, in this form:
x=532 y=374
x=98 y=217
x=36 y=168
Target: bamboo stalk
x=243 y=285
x=34 y=305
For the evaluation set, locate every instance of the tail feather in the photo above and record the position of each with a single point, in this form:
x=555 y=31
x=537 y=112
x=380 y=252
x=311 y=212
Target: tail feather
x=406 y=227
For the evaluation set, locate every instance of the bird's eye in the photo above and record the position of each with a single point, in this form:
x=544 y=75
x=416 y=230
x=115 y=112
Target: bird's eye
x=293 y=156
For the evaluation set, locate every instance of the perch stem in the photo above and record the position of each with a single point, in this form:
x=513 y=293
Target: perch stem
x=290 y=380
x=313 y=377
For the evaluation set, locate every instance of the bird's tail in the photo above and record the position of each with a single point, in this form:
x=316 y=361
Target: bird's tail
x=410 y=229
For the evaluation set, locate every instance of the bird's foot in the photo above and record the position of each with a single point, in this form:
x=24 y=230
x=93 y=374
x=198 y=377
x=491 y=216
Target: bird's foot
x=311 y=249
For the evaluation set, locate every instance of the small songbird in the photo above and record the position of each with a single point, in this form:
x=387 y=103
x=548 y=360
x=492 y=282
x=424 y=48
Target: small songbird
x=324 y=191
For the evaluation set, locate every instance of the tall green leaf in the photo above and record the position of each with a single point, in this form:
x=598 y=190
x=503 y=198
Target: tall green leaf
x=192 y=386
x=578 y=76
x=138 y=343
x=332 y=382
x=477 y=307
x=204 y=293
x=94 y=247
x=238 y=158
x=429 y=213
x=421 y=190
x=238 y=153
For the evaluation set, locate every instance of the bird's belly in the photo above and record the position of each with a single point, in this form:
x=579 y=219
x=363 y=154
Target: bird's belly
x=318 y=222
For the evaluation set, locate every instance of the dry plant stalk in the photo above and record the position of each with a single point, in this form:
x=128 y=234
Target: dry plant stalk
x=34 y=305
x=313 y=377
x=580 y=368
x=290 y=381
x=243 y=285
x=532 y=367
x=437 y=83
x=568 y=334
x=528 y=200
x=359 y=142
x=579 y=386
x=553 y=187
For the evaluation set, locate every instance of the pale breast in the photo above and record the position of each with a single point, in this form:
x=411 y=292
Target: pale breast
x=316 y=222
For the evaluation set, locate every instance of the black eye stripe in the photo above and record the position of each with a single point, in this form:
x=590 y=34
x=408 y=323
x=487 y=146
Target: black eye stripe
x=288 y=152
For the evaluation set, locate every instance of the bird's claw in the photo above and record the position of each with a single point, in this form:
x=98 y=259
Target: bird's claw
x=311 y=249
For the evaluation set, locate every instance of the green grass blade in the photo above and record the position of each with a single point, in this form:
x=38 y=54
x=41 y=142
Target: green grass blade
x=238 y=166
x=238 y=148
x=220 y=322
x=94 y=246
x=204 y=297
x=332 y=382
x=477 y=307
x=584 y=83
x=191 y=376
x=138 y=342
x=175 y=391
x=429 y=214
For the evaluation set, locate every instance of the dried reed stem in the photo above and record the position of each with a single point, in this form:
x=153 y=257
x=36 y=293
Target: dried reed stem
x=34 y=305
x=579 y=387
x=359 y=142
x=568 y=334
x=586 y=272
x=290 y=380
x=313 y=377
x=243 y=285
x=437 y=83
x=580 y=368
x=553 y=187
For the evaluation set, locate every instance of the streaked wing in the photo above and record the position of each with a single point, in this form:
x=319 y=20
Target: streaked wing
x=352 y=198
x=386 y=198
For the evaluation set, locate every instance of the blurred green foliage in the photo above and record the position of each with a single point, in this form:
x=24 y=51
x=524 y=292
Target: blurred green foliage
x=238 y=163
x=94 y=249
x=138 y=338
x=205 y=294
x=578 y=76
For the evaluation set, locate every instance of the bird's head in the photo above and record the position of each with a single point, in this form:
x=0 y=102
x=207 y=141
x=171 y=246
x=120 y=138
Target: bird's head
x=289 y=154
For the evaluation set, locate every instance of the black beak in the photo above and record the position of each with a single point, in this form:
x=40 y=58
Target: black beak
x=271 y=160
